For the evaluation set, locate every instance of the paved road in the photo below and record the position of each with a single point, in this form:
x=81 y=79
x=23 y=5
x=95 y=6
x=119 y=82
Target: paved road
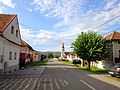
x=64 y=77
x=56 y=76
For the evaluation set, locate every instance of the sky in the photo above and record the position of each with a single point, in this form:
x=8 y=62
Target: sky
x=46 y=24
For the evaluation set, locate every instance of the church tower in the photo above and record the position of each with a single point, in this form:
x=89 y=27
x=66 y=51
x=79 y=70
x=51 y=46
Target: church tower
x=62 y=51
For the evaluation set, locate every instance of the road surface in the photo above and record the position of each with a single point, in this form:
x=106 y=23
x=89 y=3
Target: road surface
x=56 y=76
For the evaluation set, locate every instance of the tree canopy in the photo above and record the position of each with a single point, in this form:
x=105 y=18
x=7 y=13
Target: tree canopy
x=91 y=46
x=50 y=55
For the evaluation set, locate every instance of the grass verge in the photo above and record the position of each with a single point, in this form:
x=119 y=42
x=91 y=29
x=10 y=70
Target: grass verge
x=40 y=63
x=65 y=62
x=95 y=70
x=118 y=79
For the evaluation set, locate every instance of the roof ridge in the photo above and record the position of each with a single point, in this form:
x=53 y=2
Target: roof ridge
x=112 y=34
x=7 y=14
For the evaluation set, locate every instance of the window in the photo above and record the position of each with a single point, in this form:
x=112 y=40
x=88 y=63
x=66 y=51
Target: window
x=16 y=33
x=15 y=56
x=118 y=42
x=12 y=30
x=10 y=55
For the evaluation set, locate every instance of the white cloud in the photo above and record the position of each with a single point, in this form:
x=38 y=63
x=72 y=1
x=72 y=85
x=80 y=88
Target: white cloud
x=58 y=8
x=48 y=38
x=8 y=3
x=30 y=10
x=73 y=20
x=110 y=4
x=1 y=9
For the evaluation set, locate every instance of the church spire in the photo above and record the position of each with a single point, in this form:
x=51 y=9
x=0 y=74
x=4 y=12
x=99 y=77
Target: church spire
x=62 y=45
x=62 y=51
x=63 y=48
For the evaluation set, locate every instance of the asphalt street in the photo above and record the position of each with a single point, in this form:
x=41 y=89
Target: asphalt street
x=56 y=76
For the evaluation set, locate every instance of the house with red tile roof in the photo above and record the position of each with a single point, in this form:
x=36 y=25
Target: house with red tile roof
x=27 y=54
x=114 y=41
x=10 y=42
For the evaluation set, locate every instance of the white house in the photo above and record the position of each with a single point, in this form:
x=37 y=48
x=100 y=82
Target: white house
x=10 y=41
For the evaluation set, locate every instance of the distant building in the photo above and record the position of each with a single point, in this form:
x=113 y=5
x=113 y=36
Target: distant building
x=10 y=41
x=68 y=55
x=63 y=51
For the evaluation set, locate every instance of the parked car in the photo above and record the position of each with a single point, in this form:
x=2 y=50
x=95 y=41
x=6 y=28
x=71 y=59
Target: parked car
x=115 y=70
x=75 y=61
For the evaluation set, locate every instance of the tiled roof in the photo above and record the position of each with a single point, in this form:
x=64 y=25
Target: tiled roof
x=67 y=53
x=5 y=20
x=113 y=36
x=23 y=43
x=70 y=53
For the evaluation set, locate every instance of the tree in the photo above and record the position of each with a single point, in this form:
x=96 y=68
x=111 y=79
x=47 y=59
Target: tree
x=91 y=46
x=56 y=56
x=50 y=55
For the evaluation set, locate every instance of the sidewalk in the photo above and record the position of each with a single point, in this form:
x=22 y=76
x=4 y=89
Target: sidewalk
x=31 y=70
x=35 y=71
x=106 y=78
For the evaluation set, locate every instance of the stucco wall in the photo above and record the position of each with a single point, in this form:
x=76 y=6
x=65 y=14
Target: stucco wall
x=10 y=47
x=116 y=48
x=12 y=37
x=2 y=46
x=1 y=51
x=11 y=64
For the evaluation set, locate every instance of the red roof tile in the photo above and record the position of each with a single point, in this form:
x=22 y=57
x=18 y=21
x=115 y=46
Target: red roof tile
x=23 y=43
x=5 y=20
x=70 y=53
x=113 y=36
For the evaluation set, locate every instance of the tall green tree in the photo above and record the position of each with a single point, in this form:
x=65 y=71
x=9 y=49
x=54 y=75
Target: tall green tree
x=91 y=46
x=50 y=55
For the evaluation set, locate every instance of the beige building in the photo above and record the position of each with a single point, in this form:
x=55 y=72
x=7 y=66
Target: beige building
x=10 y=41
x=114 y=41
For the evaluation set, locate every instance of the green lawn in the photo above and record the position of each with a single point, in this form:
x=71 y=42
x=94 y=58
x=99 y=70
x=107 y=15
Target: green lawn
x=66 y=62
x=40 y=63
x=118 y=79
x=95 y=70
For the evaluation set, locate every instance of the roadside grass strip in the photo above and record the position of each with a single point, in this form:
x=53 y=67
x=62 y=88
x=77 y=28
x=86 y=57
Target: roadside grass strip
x=65 y=62
x=95 y=70
x=40 y=63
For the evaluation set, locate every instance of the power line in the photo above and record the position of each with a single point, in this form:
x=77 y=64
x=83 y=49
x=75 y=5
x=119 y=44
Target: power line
x=111 y=31
x=105 y=22
x=25 y=26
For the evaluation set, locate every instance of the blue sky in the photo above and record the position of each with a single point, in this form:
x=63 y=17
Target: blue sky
x=45 y=24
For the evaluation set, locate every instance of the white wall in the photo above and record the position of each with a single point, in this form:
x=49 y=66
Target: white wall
x=116 y=48
x=12 y=37
x=1 y=49
x=10 y=47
